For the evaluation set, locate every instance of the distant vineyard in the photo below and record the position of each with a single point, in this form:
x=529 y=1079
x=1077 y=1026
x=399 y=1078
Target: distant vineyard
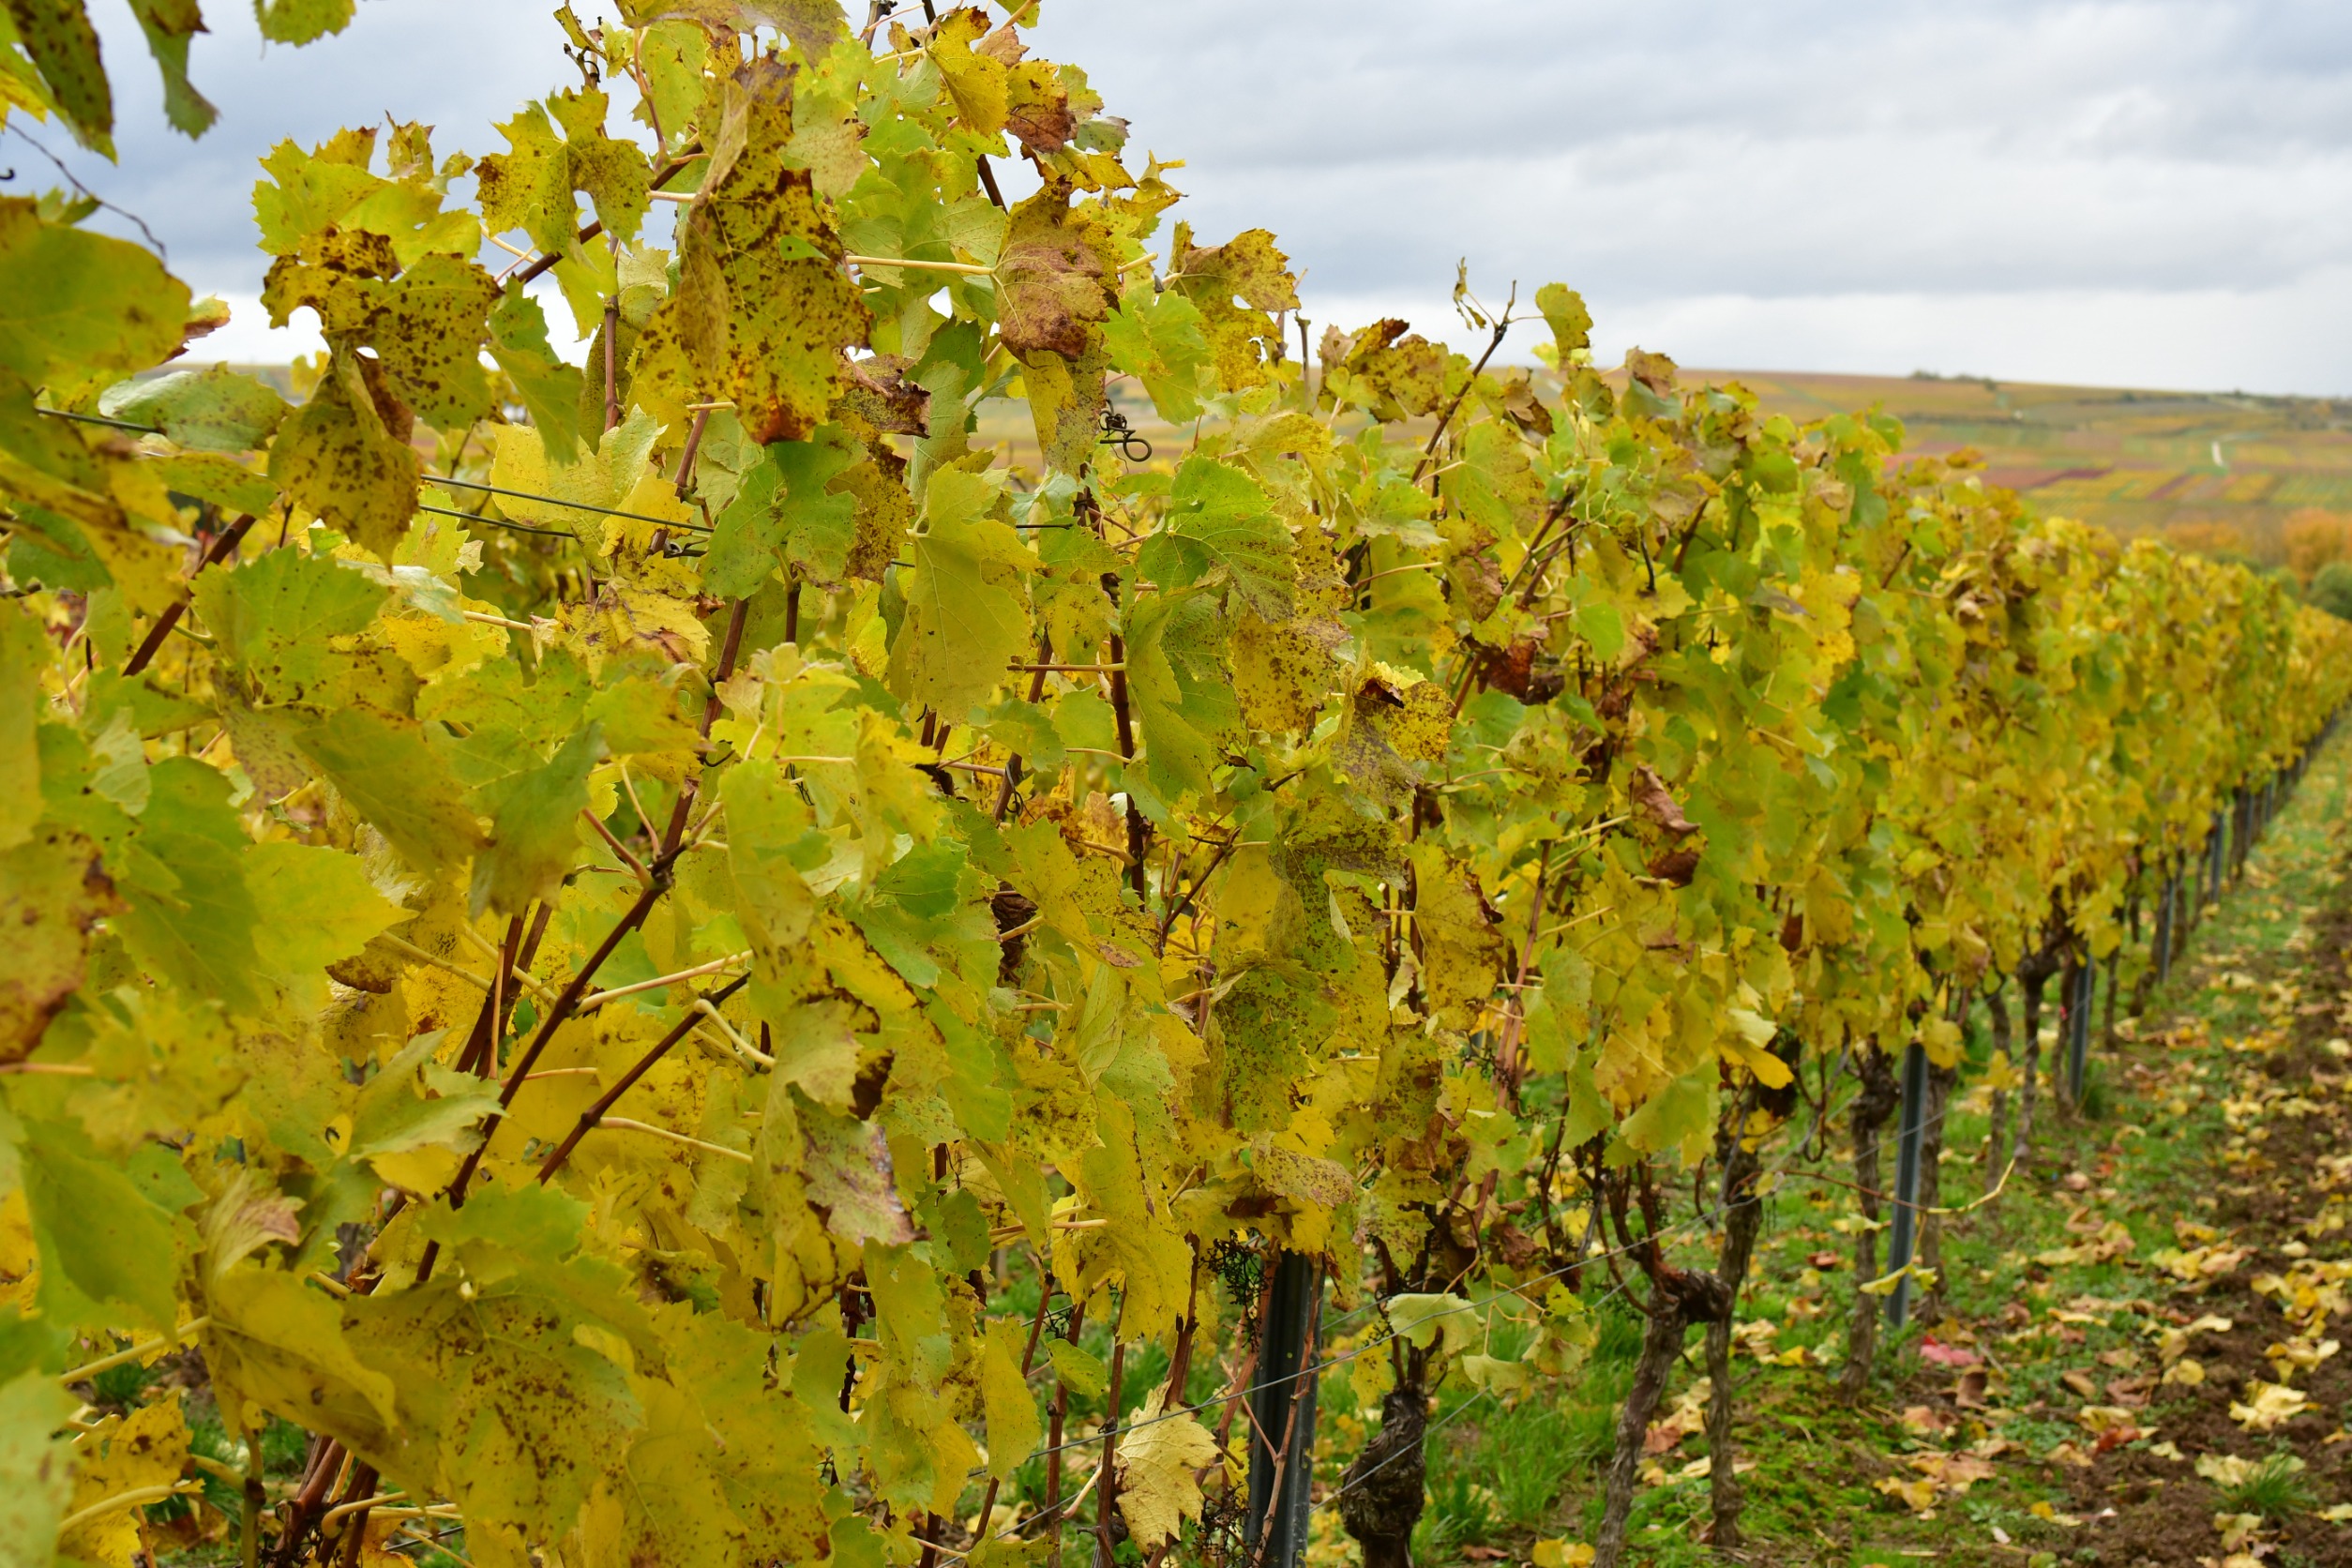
x=2136 y=462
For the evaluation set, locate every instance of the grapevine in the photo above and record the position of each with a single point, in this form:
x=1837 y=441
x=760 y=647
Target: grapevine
x=677 y=961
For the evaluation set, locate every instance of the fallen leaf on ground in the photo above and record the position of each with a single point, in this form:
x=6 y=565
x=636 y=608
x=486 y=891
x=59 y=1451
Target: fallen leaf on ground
x=1562 y=1554
x=2271 y=1403
x=2303 y=1354
x=2237 y=1529
x=2228 y=1469
x=1919 y=1495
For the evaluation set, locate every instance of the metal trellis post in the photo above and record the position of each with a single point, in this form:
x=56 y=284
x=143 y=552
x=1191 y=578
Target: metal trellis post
x=2078 y=1000
x=1286 y=1344
x=1903 y=1236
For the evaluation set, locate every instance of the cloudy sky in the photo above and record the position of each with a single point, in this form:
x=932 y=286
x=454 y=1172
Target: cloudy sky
x=2137 y=192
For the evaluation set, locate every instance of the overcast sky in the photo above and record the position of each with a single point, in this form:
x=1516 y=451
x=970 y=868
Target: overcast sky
x=2135 y=193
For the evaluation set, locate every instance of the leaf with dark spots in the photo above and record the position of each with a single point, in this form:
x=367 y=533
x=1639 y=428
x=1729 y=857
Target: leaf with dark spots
x=344 y=455
x=1055 y=277
x=764 y=308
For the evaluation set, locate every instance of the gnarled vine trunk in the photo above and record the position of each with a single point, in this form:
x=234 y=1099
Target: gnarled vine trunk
x=1678 y=1299
x=1744 y=1215
x=1382 y=1498
x=2033 y=979
x=1940 y=1083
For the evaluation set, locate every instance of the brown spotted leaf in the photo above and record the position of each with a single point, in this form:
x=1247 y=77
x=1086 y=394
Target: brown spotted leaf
x=65 y=50
x=764 y=308
x=1055 y=277
x=344 y=455
x=1234 y=286
x=426 y=326
x=53 y=890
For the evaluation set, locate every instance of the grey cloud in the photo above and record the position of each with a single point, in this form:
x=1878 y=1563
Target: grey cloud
x=457 y=65
x=1653 y=154
x=1651 y=151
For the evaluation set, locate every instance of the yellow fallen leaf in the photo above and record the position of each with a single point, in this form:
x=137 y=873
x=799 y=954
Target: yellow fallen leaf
x=2271 y=1403
x=1562 y=1554
x=2237 y=1529
x=2303 y=1354
x=2106 y=1418
x=1919 y=1495
x=2227 y=1470
x=1953 y=1473
x=2186 y=1370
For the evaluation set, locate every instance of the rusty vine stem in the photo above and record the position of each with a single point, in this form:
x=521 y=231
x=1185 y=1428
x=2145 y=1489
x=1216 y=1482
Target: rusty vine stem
x=224 y=546
x=1052 y=1512
x=594 y=1113
x=663 y=868
x=1494 y=341
x=1106 y=1494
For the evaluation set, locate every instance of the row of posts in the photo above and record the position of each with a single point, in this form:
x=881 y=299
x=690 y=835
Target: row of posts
x=2227 y=842
x=1282 y=1404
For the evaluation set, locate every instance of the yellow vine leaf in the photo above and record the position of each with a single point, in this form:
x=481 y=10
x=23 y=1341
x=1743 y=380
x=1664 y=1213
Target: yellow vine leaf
x=1156 y=1465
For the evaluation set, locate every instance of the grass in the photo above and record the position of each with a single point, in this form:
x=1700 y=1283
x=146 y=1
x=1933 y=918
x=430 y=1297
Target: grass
x=2275 y=1489
x=1504 y=1473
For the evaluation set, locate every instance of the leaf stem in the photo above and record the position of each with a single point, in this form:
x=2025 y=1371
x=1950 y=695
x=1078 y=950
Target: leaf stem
x=136 y=1353
x=1494 y=341
x=662 y=982
x=132 y=1499
x=628 y=858
x=967 y=269
x=623 y=1123
x=558 y=1014
x=1105 y=1506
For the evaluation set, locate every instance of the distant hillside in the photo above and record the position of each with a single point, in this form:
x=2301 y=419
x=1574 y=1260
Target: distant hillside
x=2215 y=471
